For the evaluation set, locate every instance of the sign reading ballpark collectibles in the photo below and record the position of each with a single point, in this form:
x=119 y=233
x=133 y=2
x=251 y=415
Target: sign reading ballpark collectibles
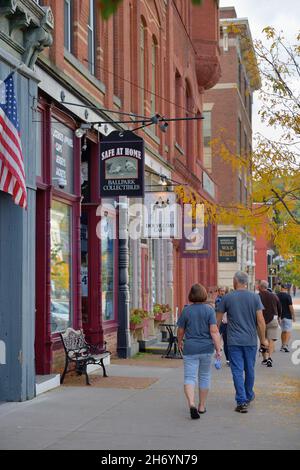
x=227 y=249
x=122 y=165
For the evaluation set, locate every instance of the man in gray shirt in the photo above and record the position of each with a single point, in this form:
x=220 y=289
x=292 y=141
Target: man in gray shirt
x=245 y=319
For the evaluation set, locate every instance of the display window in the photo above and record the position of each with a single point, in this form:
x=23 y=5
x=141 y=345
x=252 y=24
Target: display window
x=108 y=268
x=61 y=267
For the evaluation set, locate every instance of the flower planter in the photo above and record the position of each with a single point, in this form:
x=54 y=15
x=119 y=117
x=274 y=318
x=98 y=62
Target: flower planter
x=136 y=326
x=162 y=317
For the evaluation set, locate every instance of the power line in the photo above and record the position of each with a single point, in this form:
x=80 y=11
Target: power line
x=147 y=90
x=103 y=110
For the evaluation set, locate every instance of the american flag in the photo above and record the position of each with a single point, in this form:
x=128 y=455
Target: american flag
x=12 y=174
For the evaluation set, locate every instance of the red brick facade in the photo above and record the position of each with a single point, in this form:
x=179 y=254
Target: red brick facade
x=228 y=110
x=150 y=57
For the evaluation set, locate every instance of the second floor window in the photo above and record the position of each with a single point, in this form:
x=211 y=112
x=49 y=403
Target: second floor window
x=143 y=65
x=239 y=142
x=68 y=24
x=91 y=37
x=207 y=128
x=153 y=78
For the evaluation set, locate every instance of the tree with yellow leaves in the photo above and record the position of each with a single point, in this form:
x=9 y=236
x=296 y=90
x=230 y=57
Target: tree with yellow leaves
x=274 y=176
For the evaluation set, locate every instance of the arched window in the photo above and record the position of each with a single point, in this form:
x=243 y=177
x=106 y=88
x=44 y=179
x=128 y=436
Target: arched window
x=153 y=76
x=143 y=65
x=91 y=37
x=189 y=129
x=179 y=111
x=68 y=25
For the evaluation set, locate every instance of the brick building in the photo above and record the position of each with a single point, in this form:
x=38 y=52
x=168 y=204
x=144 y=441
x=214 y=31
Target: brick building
x=228 y=113
x=151 y=57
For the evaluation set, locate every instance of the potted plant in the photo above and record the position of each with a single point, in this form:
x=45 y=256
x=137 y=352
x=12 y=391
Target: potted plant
x=161 y=312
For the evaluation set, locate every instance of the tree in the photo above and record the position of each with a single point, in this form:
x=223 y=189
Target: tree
x=274 y=166
x=109 y=7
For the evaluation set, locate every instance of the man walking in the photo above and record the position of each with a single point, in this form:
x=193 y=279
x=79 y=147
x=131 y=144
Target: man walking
x=272 y=311
x=245 y=319
x=286 y=318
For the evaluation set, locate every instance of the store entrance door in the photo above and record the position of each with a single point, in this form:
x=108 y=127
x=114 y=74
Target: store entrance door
x=90 y=251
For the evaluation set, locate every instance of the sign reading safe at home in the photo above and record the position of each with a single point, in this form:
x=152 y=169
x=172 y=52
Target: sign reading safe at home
x=122 y=167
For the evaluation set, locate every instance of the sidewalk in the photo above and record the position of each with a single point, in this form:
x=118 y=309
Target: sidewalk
x=296 y=302
x=155 y=416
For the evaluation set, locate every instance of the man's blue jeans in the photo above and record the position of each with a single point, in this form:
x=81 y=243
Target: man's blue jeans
x=242 y=361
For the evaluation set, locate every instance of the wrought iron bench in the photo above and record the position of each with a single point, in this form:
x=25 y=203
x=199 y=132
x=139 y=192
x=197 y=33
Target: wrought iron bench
x=78 y=351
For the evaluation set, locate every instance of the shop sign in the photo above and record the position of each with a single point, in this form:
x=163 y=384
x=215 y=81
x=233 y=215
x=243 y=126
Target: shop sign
x=122 y=165
x=196 y=238
x=161 y=216
x=62 y=159
x=227 y=249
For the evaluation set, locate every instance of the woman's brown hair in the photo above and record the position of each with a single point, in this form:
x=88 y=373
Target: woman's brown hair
x=198 y=294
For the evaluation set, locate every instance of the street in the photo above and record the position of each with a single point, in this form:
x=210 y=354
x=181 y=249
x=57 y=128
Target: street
x=153 y=414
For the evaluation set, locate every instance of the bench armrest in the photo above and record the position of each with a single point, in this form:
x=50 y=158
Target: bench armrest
x=98 y=349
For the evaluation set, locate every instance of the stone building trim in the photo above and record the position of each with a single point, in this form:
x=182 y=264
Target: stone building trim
x=26 y=28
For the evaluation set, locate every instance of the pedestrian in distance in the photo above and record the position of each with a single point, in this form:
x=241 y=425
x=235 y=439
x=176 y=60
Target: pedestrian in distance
x=286 y=318
x=294 y=290
x=272 y=311
x=223 y=327
x=245 y=319
x=197 y=325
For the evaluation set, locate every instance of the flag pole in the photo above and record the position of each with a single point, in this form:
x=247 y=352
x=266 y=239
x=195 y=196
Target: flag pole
x=14 y=70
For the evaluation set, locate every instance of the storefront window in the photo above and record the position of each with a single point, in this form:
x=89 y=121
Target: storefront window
x=62 y=158
x=61 y=243
x=107 y=267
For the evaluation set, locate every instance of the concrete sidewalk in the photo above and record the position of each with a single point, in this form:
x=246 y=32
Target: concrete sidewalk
x=157 y=417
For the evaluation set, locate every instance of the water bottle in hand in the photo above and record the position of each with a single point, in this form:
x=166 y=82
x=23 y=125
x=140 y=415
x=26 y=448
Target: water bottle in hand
x=218 y=364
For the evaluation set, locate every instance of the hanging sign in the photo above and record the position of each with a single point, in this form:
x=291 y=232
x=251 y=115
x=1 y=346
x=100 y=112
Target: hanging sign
x=196 y=240
x=161 y=218
x=122 y=165
x=227 y=249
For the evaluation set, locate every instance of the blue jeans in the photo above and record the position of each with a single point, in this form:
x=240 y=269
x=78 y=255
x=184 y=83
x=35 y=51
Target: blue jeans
x=197 y=368
x=242 y=360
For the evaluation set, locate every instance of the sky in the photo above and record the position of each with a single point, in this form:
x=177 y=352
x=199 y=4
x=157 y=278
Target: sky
x=282 y=14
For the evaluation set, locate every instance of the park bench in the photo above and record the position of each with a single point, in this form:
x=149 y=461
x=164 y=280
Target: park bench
x=78 y=351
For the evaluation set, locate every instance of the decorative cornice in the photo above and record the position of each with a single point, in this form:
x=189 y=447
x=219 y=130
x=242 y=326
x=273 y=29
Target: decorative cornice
x=208 y=70
x=26 y=28
x=208 y=66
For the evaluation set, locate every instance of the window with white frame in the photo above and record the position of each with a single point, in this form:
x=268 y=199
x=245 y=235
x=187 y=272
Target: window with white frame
x=68 y=24
x=91 y=37
x=153 y=76
x=142 y=65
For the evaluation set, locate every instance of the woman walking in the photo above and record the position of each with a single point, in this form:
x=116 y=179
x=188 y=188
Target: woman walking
x=198 y=325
